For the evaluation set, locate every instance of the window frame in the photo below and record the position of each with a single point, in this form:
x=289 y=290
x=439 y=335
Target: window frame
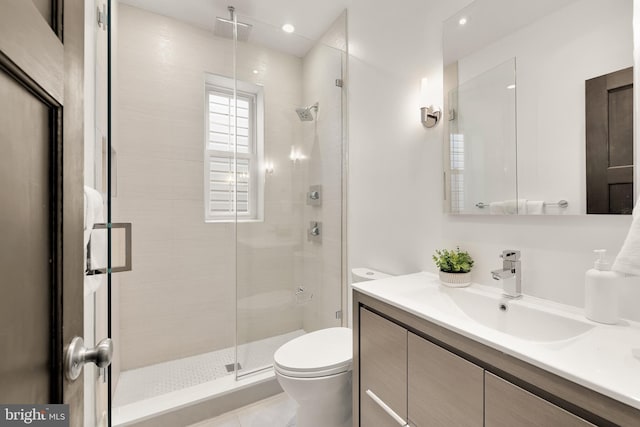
x=221 y=85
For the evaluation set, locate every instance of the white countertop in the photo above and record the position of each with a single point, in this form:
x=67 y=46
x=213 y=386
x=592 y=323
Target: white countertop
x=601 y=359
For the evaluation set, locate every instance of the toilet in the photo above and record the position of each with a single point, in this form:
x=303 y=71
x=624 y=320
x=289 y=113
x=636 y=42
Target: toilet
x=315 y=371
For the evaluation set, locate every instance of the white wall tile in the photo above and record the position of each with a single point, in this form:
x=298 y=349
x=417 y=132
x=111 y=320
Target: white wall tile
x=183 y=282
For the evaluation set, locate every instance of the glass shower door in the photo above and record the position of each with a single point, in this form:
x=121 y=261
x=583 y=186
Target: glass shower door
x=289 y=251
x=96 y=387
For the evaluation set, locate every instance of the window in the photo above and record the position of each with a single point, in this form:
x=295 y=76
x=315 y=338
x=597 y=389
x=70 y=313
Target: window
x=456 y=150
x=232 y=178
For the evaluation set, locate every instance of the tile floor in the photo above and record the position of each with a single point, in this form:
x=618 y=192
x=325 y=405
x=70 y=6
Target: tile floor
x=276 y=411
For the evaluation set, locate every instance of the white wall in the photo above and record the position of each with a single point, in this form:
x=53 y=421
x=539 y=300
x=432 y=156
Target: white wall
x=395 y=167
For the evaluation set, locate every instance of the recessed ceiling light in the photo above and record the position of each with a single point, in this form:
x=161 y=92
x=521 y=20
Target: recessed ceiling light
x=511 y=87
x=288 y=28
x=255 y=71
x=462 y=21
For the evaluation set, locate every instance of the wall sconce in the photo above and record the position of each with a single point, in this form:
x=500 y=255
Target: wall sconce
x=430 y=115
x=296 y=154
x=268 y=168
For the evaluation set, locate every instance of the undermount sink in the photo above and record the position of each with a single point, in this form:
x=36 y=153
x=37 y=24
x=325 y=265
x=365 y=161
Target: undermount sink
x=518 y=318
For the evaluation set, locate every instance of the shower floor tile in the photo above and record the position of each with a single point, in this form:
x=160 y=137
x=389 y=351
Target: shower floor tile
x=150 y=381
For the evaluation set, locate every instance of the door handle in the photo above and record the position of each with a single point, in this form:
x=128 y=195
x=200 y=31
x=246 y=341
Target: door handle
x=77 y=355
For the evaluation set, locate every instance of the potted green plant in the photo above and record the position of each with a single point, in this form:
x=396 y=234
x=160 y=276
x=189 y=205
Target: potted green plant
x=455 y=267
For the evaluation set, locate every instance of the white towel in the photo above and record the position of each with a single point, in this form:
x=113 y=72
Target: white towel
x=628 y=260
x=496 y=208
x=514 y=207
x=535 y=207
x=92 y=211
x=93 y=207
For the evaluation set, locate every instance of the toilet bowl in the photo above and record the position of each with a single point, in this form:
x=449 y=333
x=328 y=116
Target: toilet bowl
x=315 y=371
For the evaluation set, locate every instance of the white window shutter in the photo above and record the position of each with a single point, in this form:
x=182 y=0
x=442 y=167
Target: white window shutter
x=222 y=186
x=228 y=191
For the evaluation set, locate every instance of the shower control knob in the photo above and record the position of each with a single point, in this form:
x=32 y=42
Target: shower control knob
x=314 y=195
x=77 y=355
x=314 y=232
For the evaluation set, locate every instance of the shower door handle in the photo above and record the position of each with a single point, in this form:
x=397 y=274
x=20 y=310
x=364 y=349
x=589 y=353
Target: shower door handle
x=77 y=355
x=121 y=238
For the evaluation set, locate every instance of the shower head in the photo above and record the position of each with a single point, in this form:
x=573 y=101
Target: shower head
x=305 y=113
x=224 y=27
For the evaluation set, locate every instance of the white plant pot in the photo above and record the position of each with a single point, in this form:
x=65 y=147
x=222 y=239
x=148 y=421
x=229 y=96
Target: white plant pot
x=455 y=280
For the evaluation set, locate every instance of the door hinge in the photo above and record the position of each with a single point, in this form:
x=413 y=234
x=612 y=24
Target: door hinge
x=339 y=314
x=339 y=82
x=101 y=17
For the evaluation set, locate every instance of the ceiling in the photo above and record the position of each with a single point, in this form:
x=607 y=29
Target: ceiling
x=491 y=20
x=310 y=18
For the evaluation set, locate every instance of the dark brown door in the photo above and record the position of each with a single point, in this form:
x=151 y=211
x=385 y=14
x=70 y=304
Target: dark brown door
x=609 y=143
x=41 y=199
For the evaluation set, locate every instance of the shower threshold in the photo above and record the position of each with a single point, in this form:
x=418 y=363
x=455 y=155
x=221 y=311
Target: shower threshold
x=197 y=387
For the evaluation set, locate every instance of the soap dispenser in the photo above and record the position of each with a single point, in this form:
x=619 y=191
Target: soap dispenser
x=601 y=291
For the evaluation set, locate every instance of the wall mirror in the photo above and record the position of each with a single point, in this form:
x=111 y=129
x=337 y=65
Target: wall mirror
x=538 y=112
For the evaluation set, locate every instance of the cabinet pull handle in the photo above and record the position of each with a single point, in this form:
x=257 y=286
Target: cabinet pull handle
x=386 y=408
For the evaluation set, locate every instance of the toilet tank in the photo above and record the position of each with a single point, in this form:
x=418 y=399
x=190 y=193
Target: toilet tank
x=364 y=274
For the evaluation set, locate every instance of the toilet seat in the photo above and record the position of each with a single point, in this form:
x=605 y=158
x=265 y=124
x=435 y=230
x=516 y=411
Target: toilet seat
x=317 y=354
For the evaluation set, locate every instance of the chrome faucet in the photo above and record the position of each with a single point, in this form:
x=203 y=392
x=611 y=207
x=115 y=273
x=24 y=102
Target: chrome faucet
x=510 y=274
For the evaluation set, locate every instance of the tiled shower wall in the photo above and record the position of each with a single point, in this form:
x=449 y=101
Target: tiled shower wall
x=182 y=288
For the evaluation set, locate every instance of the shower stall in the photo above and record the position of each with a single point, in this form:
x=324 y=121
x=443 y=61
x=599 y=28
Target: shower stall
x=227 y=157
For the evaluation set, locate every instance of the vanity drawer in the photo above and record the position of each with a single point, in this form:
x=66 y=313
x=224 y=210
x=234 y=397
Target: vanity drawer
x=507 y=405
x=383 y=371
x=444 y=389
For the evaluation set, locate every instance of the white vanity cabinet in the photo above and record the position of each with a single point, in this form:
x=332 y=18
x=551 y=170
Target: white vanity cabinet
x=411 y=372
